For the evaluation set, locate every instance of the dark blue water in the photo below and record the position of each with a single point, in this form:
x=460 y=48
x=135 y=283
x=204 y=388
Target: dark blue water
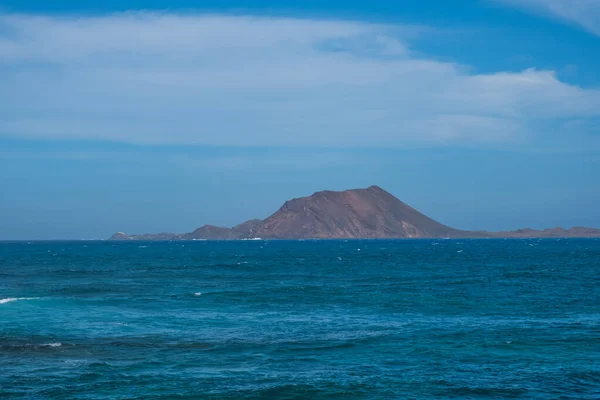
x=300 y=320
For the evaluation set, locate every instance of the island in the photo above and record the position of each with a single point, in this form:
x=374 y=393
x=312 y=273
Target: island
x=369 y=213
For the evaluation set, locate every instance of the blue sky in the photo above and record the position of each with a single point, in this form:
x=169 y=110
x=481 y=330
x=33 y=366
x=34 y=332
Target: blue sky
x=147 y=116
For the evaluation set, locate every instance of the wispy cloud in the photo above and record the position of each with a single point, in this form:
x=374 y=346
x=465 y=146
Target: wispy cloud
x=585 y=13
x=282 y=161
x=154 y=78
x=232 y=159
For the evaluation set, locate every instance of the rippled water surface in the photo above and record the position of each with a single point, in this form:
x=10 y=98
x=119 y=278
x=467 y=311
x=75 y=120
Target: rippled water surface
x=300 y=319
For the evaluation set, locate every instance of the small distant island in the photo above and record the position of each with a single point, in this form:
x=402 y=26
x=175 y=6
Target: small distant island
x=350 y=214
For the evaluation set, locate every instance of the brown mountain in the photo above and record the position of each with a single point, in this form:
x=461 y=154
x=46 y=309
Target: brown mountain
x=209 y=232
x=359 y=213
x=241 y=231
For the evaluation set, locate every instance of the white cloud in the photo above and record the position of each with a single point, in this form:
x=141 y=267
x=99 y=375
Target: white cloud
x=306 y=160
x=181 y=158
x=585 y=13
x=246 y=81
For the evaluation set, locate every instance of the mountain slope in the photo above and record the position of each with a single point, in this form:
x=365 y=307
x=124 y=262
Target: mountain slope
x=211 y=232
x=359 y=213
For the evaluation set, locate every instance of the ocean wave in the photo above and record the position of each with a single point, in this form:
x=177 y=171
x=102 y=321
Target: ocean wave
x=20 y=346
x=486 y=391
x=57 y=344
x=10 y=299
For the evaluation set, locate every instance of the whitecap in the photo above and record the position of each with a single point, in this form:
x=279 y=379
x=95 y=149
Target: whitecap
x=198 y=294
x=57 y=344
x=9 y=299
x=77 y=362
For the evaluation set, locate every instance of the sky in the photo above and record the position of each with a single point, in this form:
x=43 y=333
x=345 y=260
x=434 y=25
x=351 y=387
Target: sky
x=154 y=116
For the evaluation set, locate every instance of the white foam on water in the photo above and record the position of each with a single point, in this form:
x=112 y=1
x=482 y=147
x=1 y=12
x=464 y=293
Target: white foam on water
x=198 y=294
x=9 y=299
x=57 y=344
x=77 y=362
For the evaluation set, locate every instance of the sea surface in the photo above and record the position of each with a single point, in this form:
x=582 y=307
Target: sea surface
x=371 y=319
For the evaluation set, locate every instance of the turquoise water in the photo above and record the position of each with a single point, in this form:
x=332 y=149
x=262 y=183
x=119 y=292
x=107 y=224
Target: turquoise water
x=300 y=319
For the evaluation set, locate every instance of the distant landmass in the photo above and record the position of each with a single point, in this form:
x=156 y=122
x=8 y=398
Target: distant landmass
x=350 y=214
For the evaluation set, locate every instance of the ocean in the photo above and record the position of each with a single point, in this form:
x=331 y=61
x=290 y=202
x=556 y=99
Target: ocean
x=331 y=319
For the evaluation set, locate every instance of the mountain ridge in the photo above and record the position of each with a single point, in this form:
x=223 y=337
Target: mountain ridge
x=369 y=213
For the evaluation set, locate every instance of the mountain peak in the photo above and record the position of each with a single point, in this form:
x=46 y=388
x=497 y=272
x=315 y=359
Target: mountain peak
x=375 y=188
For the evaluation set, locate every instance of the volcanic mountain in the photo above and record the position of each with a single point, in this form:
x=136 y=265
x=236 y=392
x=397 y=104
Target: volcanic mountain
x=358 y=213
